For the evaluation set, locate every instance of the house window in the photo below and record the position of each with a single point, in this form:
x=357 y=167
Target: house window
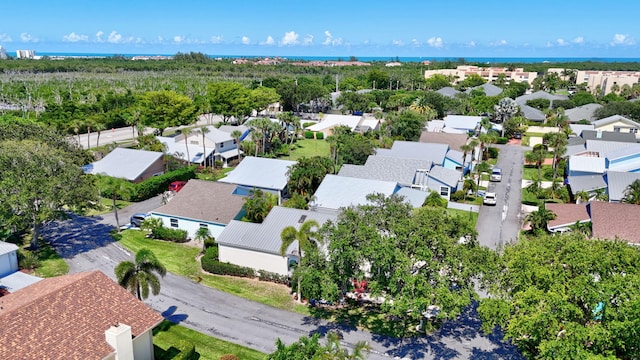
x=173 y=222
x=221 y=145
x=633 y=130
x=204 y=226
x=444 y=191
x=194 y=142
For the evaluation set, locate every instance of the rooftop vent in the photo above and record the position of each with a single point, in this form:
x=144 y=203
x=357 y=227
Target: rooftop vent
x=302 y=219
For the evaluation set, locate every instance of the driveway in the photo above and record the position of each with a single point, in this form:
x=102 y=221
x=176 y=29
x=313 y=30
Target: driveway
x=85 y=244
x=500 y=224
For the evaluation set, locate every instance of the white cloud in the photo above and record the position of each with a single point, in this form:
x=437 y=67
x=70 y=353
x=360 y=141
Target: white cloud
x=73 y=37
x=397 y=43
x=178 y=39
x=329 y=40
x=622 y=39
x=578 y=40
x=435 y=42
x=415 y=42
x=499 y=43
x=269 y=41
x=5 y=38
x=308 y=40
x=25 y=37
x=289 y=38
x=99 y=36
x=246 y=40
x=216 y=39
x=561 y=42
x=160 y=39
x=471 y=43
x=114 y=37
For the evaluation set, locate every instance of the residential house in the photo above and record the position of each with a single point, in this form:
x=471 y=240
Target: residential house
x=461 y=124
x=448 y=92
x=534 y=114
x=455 y=141
x=176 y=147
x=488 y=88
x=618 y=182
x=577 y=129
x=584 y=112
x=80 y=316
x=258 y=245
x=8 y=258
x=626 y=159
x=201 y=204
x=218 y=144
x=133 y=165
x=269 y=175
x=330 y=121
x=567 y=215
x=337 y=192
x=617 y=123
x=615 y=221
x=436 y=153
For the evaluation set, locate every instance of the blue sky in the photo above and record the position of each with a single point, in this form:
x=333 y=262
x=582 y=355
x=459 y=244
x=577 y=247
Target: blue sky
x=449 y=28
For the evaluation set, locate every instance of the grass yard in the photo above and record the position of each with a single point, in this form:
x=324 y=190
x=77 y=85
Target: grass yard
x=217 y=175
x=308 y=148
x=106 y=206
x=531 y=173
x=181 y=259
x=51 y=264
x=473 y=216
x=168 y=338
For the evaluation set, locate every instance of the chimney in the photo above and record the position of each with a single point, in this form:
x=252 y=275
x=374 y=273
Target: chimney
x=119 y=337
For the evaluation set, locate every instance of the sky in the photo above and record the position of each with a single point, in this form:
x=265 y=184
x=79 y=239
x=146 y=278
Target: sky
x=410 y=28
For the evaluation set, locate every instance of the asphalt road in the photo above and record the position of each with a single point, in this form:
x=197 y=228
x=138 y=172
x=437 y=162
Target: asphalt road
x=500 y=224
x=85 y=244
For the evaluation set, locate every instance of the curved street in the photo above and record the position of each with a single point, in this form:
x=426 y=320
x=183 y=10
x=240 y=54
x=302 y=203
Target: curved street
x=86 y=245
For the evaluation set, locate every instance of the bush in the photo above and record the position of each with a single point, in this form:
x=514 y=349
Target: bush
x=220 y=268
x=273 y=277
x=187 y=352
x=159 y=184
x=502 y=140
x=210 y=242
x=28 y=259
x=319 y=135
x=308 y=134
x=168 y=234
x=493 y=152
x=459 y=195
x=211 y=253
x=307 y=124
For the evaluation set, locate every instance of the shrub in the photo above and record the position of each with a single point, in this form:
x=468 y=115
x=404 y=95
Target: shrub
x=307 y=124
x=308 y=134
x=459 y=195
x=158 y=184
x=187 y=352
x=168 y=234
x=211 y=253
x=220 y=268
x=502 y=140
x=319 y=135
x=28 y=259
x=273 y=277
x=493 y=152
x=210 y=242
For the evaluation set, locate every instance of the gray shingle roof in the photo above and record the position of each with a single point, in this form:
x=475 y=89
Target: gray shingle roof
x=618 y=182
x=489 y=89
x=586 y=183
x=448 y=92
x=414 y=197
x=522 y=100
x=414 y=150
x=260 y=173
x=608 y=136
x=386 y=169
x=204 y=201
x=265 y=237
x=462 y=122
x=449 y=177
x=584 y=112
x=125 y=163
x=531 y=113
x=579 y=128
x=336 y=192
x=455 y=141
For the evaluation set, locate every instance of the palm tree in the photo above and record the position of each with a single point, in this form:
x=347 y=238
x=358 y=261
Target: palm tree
x=138 y=277
x=186 y=132
x=483 y=167
x=540 y=218
x=203 y=234
x=632 y=193
x=558 y=141
x=582 y=196
x=204 y=131
x=304 y=237
x=236 y=135
x=99 y=127
x=537 y=157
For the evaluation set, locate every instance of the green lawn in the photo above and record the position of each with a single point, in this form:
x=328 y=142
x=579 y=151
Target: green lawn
x=531 y=173
x=308 y=148
x=214 y=176
x=466 y=214
x=181 y=259
x=50 y=264
x=168 y=339
x=106 y=206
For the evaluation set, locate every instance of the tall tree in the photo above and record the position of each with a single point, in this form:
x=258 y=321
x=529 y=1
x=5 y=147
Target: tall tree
x=186 y=132
x=537 y=156
x=203 y=130
x=558 y=142
x=539 y=219
x=236 y=135
x=407 y=125
x=230 y=99
x=632 y=193
x=304 y=237
x=163 y=109
x=306 y=175
x=140 y=276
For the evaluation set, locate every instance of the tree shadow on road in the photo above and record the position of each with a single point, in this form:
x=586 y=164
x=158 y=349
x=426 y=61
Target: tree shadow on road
x=170 y=315
x=76 y=235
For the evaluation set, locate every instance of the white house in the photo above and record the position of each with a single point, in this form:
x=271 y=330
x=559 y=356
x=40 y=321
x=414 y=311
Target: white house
x=258 y=245
x=269 y=175
x=133 y=165
x=8 y=258
x=201 y=204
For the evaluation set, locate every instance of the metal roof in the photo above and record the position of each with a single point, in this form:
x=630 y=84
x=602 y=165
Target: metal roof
x=608 y=136
x=415 y=150
x=579 y=128
x=618 y=182
x=586 y=183
x=178 y=149
x=6 y=248
x=462 y=122
x=337 y=192
x=332 y=120
x=414 y=197
x=606 y=147
x=265 y=237
x=217 y=136
x=386 y=168
x=449 y=177
x=588 y=164
x=125 y=163
x=260 y=173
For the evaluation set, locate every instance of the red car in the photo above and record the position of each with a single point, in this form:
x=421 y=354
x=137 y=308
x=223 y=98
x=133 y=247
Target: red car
x=177 y=185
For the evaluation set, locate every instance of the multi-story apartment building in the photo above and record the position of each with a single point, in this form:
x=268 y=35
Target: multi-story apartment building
x=489 y=73
x=605 y=81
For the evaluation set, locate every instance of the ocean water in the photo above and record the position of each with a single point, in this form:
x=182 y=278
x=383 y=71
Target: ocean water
x=487 y=60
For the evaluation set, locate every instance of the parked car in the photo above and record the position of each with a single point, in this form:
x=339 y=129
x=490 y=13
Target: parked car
x=137 y=219
x=177 y=185
x=489 y=198
x=496 y=174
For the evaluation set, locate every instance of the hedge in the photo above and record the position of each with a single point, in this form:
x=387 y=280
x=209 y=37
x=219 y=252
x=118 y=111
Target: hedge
x=187 y=352
x=273 y=277
x=319 y=135
x=211 y=253
x=308 y=134
x=168 y=234
x=159 y=184
x=220 y=268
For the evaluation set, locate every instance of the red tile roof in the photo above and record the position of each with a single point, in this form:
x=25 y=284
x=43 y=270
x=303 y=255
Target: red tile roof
x=615 y=220
x=66 y=317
